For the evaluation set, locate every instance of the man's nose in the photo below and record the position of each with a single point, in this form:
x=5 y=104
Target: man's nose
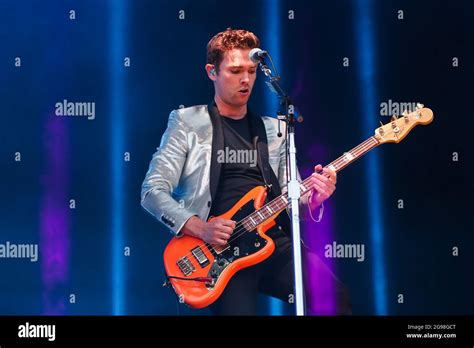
x=245 y=77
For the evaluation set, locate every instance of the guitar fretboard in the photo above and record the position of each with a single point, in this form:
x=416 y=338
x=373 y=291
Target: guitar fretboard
x=280 y=203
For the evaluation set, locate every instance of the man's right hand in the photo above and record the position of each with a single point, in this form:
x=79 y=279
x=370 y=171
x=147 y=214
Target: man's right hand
x=216 y=232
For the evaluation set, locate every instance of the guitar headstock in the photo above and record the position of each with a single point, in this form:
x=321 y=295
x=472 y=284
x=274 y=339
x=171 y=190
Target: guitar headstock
x=399 y=127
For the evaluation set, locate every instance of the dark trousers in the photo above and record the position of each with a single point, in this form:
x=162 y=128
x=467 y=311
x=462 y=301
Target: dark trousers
x=325 y=294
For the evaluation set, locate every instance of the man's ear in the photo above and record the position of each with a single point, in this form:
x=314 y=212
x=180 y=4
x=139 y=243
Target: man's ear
x=211 y=71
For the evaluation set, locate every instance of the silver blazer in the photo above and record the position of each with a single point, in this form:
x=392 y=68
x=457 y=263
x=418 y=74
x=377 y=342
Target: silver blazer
x=178 y=182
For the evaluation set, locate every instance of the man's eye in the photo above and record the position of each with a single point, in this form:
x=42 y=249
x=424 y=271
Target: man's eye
x=234 y=71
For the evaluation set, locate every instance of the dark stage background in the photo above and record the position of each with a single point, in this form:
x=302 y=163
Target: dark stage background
x=71 y=185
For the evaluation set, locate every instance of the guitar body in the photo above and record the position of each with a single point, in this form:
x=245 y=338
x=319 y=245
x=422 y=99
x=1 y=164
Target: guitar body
x=190 y=257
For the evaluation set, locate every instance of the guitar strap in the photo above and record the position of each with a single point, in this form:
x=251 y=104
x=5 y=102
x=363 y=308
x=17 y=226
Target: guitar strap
x=259 y=137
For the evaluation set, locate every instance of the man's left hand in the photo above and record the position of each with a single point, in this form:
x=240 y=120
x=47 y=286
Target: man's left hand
x=322 y=186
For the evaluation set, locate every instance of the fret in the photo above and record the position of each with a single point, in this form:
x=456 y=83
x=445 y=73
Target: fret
x=252 y=221
x=247 y=225
x=348 y=156
x=280 y=203
x=353 y=154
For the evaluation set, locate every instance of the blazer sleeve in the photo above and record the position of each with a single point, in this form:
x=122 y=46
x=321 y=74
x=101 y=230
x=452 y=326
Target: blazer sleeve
x=163 y=176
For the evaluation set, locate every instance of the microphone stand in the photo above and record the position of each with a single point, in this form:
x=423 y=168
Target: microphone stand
x=293 y=184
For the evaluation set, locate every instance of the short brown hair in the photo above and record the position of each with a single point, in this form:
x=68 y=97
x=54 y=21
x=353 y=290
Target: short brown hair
x=228 y=40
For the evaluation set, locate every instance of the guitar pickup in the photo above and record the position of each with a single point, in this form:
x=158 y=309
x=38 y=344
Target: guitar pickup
x=185 y=266
x=200 y=257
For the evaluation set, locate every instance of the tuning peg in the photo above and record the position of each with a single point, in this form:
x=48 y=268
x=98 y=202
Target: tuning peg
x=381 y=124
x=394 y=117
x=381 y=131
x=419 y=106
x=395 y=128
x=405 y=115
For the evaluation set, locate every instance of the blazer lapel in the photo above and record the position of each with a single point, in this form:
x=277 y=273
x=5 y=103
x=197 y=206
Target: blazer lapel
x=259 y=135
x=217 y=144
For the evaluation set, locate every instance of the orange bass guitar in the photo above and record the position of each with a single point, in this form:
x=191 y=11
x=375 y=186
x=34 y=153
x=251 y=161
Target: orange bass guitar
x=199 y=272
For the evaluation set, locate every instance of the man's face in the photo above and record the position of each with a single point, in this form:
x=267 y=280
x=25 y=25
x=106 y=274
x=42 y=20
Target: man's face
x=236 y=77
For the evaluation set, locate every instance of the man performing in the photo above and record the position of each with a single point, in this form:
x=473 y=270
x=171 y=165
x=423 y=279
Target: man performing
x=210 y=156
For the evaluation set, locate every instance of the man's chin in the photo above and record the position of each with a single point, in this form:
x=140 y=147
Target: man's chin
x=242 y=99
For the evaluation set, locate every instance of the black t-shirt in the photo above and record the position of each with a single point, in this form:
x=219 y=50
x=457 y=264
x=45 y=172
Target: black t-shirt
x=239 y=172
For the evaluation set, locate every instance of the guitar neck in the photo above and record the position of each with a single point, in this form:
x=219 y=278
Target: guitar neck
x=346 y=159
x=280 y=203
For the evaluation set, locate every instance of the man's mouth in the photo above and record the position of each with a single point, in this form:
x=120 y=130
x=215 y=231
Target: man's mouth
x=244 y=91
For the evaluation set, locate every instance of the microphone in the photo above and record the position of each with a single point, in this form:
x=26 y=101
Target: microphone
x=256 y=55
